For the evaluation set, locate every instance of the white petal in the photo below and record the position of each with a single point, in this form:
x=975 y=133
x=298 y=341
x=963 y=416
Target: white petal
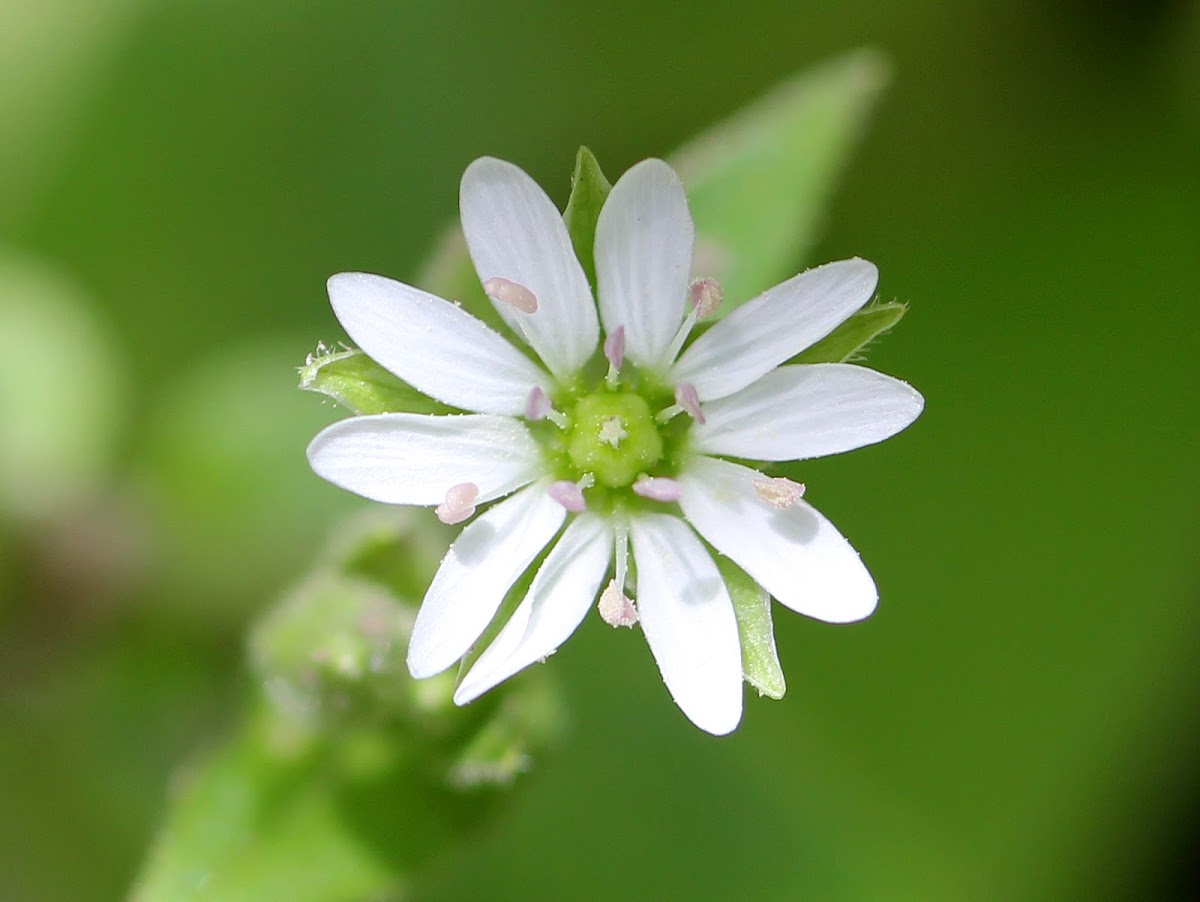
x=798 y=412
x=561 y=594
x=408 y=458
x=778 y=324
x=795 y=553
x=688 y=620
x=643 y=259
x=481 y=566
x=433 y=345
x=515 y=232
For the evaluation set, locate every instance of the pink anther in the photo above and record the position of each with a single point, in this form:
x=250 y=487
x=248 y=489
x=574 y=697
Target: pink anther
x=459 y=504
x=508 y=292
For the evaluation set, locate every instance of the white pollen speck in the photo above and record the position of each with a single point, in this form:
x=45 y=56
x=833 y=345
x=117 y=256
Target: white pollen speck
x=615 y=607
x=779 y=492
x=612 y=431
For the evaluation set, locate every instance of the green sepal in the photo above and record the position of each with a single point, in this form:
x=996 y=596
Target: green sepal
x=758 y=184
x=360 y=384
x=752 y=607
x=589 y=189
x=849 y=340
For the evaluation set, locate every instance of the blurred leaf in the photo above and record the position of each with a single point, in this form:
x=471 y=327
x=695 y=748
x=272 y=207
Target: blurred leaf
x=501 y=749
x=348 y=775
x=260 y=819
x=281 y=811
x=398 y=548
x=223 y=468
x=589 y=189
x=851 y=338
x=752 y=606
x=360 y=384
x=758 y=184
x=61 y=392
x=333 y=650
x=50 y=57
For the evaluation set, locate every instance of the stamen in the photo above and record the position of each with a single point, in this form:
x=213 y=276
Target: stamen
x=621 y=550
x=569 y=495
x=459 y=504
x=612 y=431
x=705 y=296
x=537 y=407
x=614 y=347
x=505 y=291
x=668 y=413
x=659 y=488
x=779 y=492
x=685 y=329
x=616 y=608
x=685 y=397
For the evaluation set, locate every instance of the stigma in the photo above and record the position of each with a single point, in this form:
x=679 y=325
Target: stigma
x=612 y=432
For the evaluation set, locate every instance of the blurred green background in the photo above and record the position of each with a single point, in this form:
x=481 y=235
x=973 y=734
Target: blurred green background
x=1021 y=718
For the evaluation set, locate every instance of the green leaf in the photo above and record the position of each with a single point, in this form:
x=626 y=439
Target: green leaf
x=298 y=810
x=758 y=184
x=260 y=818
x=589 y=189
x=752 y=607
x=850 y=339
x=357 y=382
x=347 y=775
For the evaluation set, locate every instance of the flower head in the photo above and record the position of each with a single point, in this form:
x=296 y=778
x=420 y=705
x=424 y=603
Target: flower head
x=613 y=436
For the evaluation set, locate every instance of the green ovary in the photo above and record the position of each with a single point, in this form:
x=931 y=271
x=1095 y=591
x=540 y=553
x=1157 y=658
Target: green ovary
x=614 y=437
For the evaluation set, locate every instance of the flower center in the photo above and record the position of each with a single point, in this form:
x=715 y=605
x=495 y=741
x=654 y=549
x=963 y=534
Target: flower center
x=614 y=436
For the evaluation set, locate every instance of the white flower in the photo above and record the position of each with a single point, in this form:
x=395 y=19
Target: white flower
x=622 y=441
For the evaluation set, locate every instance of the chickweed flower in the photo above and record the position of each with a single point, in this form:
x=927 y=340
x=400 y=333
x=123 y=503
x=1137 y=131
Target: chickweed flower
x=607 y=460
